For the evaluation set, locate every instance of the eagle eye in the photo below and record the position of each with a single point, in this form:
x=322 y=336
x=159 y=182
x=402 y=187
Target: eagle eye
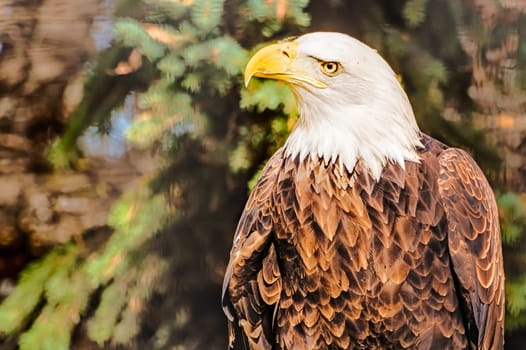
x=331 y=68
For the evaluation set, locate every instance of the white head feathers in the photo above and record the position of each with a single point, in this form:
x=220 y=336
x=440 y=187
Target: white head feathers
x=362 y=114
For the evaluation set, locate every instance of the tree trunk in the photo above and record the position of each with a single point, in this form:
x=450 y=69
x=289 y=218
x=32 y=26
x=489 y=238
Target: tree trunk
x=45 y=46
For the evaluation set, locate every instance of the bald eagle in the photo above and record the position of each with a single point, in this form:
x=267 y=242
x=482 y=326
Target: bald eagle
x=362 y=232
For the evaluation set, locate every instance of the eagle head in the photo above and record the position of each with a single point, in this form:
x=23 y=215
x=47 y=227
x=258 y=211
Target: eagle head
x=352 y=106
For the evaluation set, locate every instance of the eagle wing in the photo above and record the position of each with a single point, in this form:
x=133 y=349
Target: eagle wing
x=475 y=247
x=252 y=284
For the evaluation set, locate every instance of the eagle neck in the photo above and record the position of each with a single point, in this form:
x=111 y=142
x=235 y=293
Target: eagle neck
x=354 y=133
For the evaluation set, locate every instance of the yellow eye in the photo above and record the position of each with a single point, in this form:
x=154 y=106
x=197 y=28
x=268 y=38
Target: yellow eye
x=331 y=68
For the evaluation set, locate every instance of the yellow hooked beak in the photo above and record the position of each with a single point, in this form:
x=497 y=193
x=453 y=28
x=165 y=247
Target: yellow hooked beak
x=276 y=62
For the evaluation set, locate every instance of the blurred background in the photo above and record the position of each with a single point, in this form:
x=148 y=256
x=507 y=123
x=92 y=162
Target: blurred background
x=128 y=146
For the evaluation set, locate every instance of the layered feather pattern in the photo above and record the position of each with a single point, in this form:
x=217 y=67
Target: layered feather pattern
x=327 y=258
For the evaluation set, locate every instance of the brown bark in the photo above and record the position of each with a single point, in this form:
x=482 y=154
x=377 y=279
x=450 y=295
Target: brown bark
x=45 y=45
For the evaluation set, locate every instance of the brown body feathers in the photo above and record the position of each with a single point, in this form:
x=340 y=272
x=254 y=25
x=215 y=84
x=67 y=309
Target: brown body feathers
x=324 y=258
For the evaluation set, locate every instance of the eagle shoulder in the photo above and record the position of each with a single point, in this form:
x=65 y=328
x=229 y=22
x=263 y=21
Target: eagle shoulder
x=252 y=282
x=475 y=246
